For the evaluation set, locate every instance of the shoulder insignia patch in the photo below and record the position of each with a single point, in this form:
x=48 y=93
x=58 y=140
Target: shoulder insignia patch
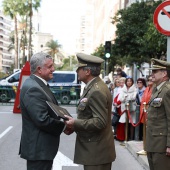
x=96 y=86
x=168 y=85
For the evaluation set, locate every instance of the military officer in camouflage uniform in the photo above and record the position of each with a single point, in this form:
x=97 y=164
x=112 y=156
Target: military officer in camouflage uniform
x=94 y=147
x=158 y=118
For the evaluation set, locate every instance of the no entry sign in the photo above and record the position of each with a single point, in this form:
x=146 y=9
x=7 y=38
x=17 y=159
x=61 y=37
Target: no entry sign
x=162 y=18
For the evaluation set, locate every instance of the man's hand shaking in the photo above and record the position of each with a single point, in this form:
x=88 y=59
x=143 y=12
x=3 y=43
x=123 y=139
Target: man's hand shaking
x=69 y=125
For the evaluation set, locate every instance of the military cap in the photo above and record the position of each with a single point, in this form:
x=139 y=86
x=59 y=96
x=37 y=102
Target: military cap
x=159 y=64
x=85 y=60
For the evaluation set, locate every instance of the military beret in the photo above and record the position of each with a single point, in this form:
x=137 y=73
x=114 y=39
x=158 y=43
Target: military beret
x=85 y=60
x=159 y=64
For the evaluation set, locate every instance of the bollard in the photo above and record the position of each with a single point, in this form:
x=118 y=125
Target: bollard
x=127 y=122
x=137 y=120
x=143 y=152
x=144 y=124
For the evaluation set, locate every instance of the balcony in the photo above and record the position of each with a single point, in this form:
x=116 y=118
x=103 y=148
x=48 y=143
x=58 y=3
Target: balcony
x=3 y=33
x=2 y=19
x=7 y=57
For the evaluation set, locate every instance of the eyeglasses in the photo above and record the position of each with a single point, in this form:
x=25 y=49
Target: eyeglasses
x=139 y=82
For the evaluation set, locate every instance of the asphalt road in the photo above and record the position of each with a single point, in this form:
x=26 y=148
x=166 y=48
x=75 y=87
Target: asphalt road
x=10 y=132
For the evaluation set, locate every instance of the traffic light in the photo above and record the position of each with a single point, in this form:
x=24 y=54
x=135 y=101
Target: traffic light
x=138 y=66
x=107 y=49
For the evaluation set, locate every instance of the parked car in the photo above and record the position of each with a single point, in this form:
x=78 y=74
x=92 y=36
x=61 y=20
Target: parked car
x=64 y=85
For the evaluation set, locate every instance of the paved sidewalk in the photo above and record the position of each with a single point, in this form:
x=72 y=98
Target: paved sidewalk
x=134 y=147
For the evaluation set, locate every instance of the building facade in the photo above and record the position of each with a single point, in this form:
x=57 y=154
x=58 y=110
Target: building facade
x=96 y=26
x=6 y=58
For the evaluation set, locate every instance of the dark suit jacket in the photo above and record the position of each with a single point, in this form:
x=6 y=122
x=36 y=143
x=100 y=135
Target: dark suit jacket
x=158 y=120
x=94 y=142
x=41 y=128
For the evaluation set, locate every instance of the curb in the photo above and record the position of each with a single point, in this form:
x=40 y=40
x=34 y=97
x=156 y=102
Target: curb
x=135 y=146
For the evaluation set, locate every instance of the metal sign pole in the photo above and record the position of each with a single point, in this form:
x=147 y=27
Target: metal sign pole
x=168 y=49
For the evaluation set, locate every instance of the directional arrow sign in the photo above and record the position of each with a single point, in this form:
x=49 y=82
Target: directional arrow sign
x=61 y=160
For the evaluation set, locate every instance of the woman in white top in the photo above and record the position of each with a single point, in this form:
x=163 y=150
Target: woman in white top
x=115 y=92
x=120 y=127
x=128 y=94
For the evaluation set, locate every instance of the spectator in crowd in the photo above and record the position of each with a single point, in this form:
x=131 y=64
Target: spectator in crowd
x=114 y=94
x=95 y=142
x=111 y=88
x=158 y=118
x=120 y=127
x=146 y=97
x=128 y=95
x=144 y=103
x=106 y=80
x=115 y=91
x=141 y=86
x=121 y=73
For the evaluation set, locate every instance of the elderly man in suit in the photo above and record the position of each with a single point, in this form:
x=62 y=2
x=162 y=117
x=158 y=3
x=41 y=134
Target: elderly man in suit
x=94 y=147
x=158 y=118
x=41 y=128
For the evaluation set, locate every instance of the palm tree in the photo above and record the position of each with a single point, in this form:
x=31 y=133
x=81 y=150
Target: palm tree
x=11 y=9
x=32 y=4
x=22 y=8
x=24 y=40
x=12 y=40
x=53 y=47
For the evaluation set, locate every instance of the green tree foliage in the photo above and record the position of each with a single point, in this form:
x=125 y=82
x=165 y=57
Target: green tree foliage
x=136 y=38
x=53 y=47
x=154 y=43
x=12 y=9
x=99 y=52
x=15 y=8
x=69 y=64
x=113 y=60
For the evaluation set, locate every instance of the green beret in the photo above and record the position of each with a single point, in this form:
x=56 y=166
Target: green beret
x=85 y=60
x=159 y=64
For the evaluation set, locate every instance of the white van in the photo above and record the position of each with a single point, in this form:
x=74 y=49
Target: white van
x=12 y=80
x=64 y=85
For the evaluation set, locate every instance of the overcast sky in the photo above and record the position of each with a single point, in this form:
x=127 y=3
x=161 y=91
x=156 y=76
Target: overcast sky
x=61 y=18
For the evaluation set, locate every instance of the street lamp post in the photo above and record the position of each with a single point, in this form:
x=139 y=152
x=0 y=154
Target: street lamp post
x=107 y=65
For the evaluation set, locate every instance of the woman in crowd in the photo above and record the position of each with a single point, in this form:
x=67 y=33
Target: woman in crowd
x=115 y=93
x=120 y=127
x=128 y=94
x=141 y=86
x=145 y=99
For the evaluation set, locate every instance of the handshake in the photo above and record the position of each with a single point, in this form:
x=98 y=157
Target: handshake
x=69 y=122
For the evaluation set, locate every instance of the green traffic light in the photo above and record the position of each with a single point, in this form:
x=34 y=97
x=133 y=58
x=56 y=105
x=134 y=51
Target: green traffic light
x=107 y=55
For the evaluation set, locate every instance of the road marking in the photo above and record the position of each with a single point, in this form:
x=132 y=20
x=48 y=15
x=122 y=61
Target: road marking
x=6 y=112
x=6 y=131
x=62 y=160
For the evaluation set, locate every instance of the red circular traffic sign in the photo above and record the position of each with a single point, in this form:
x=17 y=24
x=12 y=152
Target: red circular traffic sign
x=162 y=18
